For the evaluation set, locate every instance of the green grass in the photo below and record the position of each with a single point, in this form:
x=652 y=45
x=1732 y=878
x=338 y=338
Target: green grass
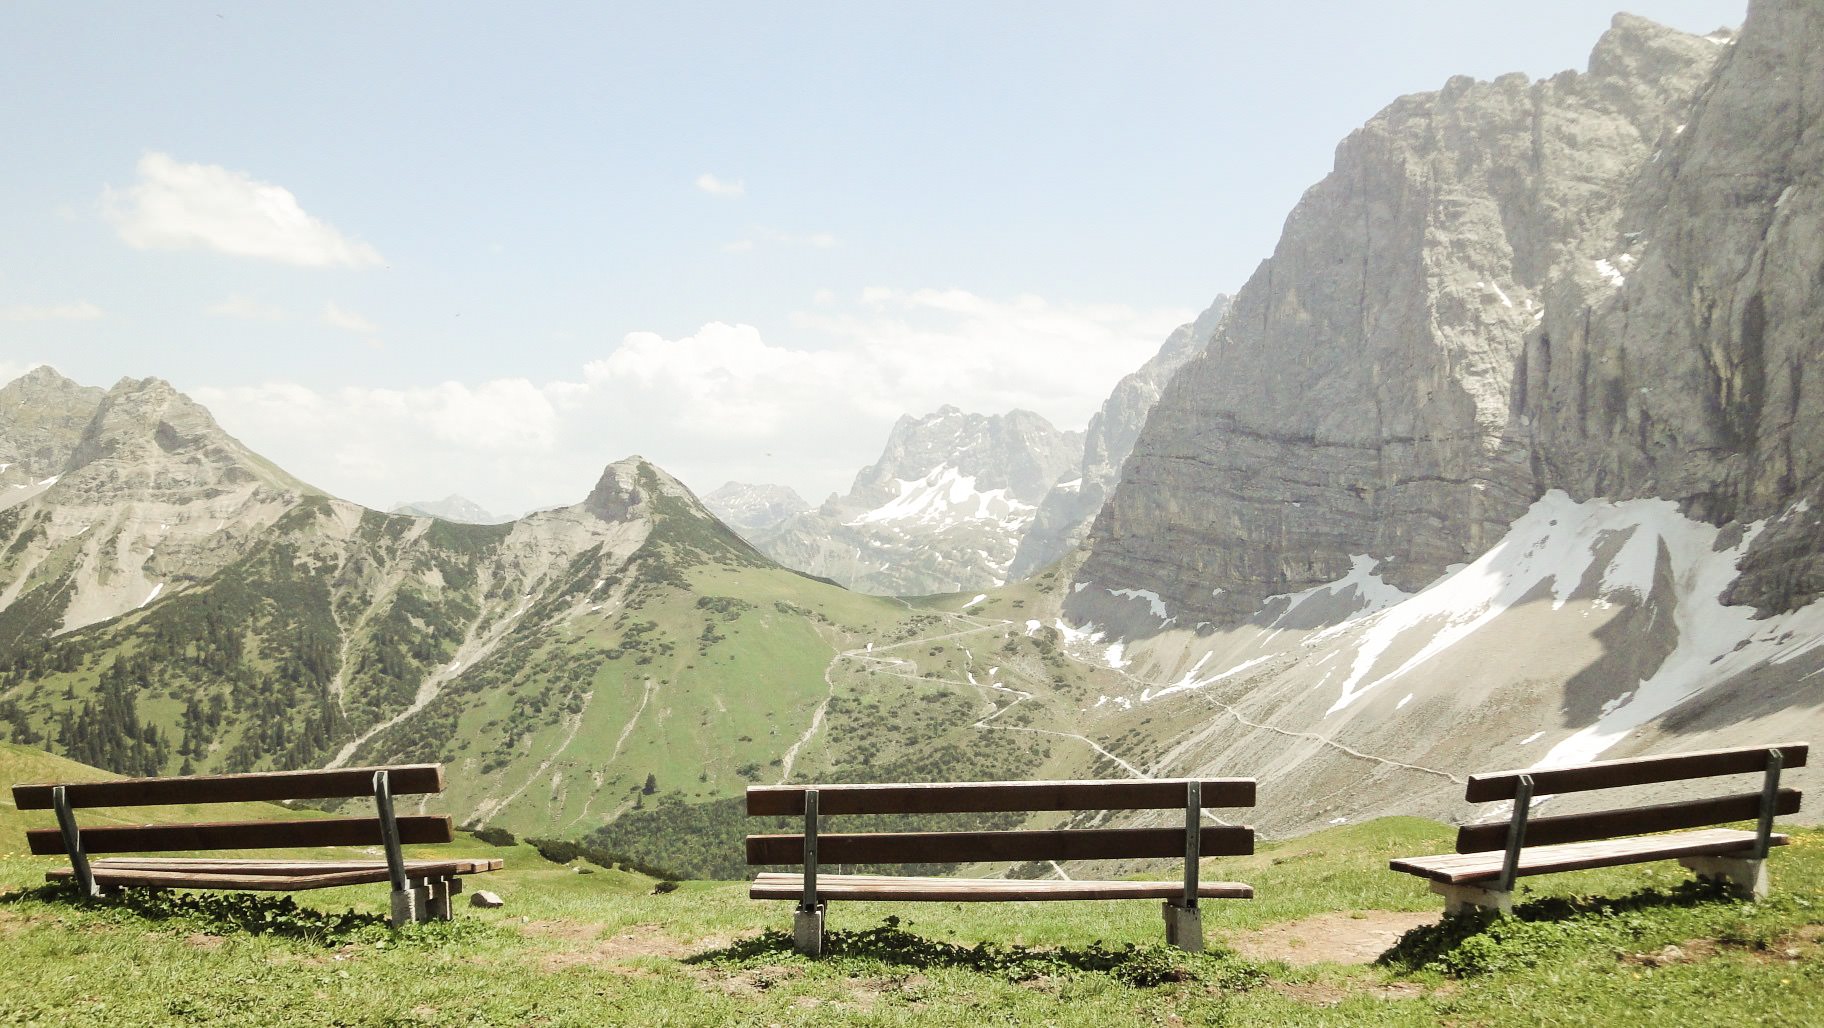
x=602 y=948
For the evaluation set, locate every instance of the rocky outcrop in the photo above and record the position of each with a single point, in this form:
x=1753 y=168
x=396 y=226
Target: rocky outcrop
x=1363 y=396
x=942 y=510
x=1064 y=515
x=152 y=496
x=42 y=417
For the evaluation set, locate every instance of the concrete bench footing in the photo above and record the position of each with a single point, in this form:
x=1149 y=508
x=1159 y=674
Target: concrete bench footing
x=1746 y=875
x=1183 y=927
x=411 y=905
x=807 y=931
x=1460 y=897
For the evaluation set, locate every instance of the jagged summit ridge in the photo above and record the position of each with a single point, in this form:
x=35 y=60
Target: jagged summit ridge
x=942 y=510
x=1360 y=396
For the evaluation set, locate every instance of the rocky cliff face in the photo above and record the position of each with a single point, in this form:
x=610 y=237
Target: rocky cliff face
x=942 y=510
x=1362 y=396
x=1676 y=363
x=1064 y=515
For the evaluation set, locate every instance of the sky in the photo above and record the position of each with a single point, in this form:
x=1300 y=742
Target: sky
x=413 y=249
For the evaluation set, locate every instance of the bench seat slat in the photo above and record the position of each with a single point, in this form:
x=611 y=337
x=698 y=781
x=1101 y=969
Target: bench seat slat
x=244 y=835
x=201 y=865
x=776 y=886
x=248 y=880
x=966 y=847
x=265 y=785
x=982 y=797
x=1456 y=868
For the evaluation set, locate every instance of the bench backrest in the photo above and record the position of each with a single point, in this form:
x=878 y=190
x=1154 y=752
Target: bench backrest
x=990 y=797
x=236 y=835
x=1521 y=829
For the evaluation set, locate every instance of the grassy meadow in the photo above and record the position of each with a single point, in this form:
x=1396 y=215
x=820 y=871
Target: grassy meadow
x=1627 y=945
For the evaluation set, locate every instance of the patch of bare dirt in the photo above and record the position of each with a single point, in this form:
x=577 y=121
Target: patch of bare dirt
x=1329 y=994
x=749 y=981
x=1336 y=938
x=586 y=946
x=1793 y=946
x=202 y=941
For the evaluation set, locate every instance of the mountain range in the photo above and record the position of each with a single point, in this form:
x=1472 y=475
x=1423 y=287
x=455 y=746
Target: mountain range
x=1507 y=455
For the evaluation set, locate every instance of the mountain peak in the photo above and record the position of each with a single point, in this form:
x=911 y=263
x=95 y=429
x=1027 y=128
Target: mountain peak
x=453 y=507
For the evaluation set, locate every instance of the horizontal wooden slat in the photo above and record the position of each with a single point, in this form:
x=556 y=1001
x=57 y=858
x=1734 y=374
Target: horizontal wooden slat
x=976 y=797
x=1577 y=856
x=199 y=865
x=270 y=878
x=268 y=785
x=968 y=890
x=964 y=847
x=1607 y=774
x=244 y=835
x=1607 y=824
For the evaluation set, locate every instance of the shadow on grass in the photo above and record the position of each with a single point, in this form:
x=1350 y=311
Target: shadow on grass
x=1479 y=942
x=888 y=943
x=218 y=913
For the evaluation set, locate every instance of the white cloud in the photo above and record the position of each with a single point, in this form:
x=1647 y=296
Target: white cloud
x=721 y=187
x=245 y=308
x=179 y=206
x=738 y=246
x=52 y=312
x=348 y=321
x=721 y=403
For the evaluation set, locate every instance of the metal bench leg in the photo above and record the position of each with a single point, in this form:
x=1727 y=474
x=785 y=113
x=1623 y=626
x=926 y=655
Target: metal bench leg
x=1183 y=921
x=1745 y=874
x=807 y=920
x=1460 y=898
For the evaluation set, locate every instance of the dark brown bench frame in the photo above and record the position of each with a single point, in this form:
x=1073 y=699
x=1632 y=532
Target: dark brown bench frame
x=1570 y=842
x=812 y=848
x=421 y=889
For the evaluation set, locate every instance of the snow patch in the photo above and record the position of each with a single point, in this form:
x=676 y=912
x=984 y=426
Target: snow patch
x=1403 y=701
x=1533 y=738
x=50 y=481
x=1554 y=543
x=1614 y=275
x=979 y=598
x=1152 y=599
x=157 y=587
x=947 y=497
x=1191 y=681
x=1374 y=592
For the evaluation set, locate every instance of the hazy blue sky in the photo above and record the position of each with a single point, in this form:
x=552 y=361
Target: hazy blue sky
x=410 y=249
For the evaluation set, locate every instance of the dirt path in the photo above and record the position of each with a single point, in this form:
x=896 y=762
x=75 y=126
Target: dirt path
x=1356 y=937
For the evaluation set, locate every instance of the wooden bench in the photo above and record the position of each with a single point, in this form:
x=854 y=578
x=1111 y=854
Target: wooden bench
x=812 y=849
x=421 y=888
x=1491 y=856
